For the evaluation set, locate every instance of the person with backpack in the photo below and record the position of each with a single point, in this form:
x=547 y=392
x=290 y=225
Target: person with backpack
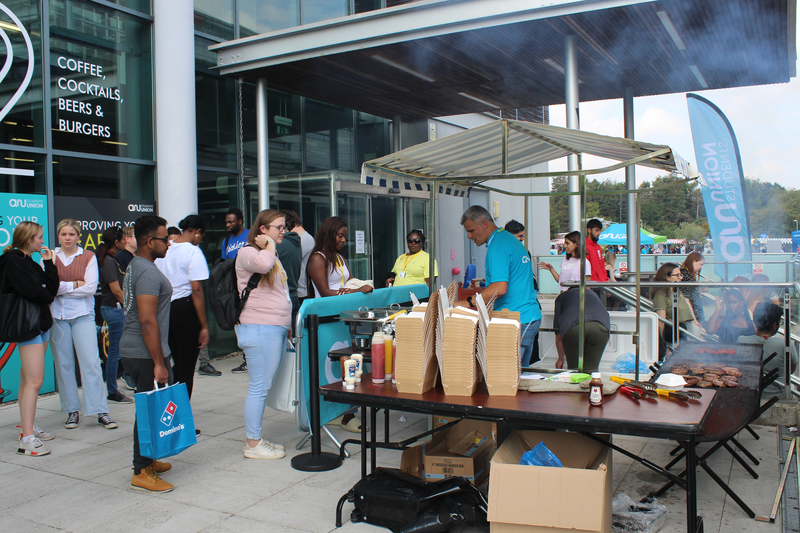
x=263 y=325
x=234 y=225
x=23 y=276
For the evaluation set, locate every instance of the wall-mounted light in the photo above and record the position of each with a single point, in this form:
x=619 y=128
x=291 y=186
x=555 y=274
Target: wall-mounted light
x=404 y=68
x=476 y=99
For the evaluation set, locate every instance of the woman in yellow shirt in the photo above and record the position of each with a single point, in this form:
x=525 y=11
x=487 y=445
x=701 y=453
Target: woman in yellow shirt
x=413 y=267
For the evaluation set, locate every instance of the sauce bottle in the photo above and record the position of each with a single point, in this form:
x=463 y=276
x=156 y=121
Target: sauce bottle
x=350 y=374
x=343 y=360
x=378 y=358
x=596 y=389
x=388 y=341
x=357 y=357
x=394 y=362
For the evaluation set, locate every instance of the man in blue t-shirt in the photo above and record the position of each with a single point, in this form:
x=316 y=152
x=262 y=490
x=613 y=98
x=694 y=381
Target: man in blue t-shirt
x=234 y=220
x=509 y=274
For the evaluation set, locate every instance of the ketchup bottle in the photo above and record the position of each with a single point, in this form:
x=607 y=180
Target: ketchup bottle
x=378 y=358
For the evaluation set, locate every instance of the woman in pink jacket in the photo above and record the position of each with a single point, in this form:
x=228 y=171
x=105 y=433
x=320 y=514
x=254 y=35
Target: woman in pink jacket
x=263 y=325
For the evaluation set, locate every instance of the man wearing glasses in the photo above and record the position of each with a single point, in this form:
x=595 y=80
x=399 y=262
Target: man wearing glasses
x=144 y=346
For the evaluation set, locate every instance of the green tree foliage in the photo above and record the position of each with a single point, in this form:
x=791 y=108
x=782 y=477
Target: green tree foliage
x=692 y=231
x=677 y=211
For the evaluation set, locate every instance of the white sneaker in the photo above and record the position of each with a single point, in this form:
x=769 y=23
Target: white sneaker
x=33 y=447
x=37 y=432
x=263 y=450
x=280 y=447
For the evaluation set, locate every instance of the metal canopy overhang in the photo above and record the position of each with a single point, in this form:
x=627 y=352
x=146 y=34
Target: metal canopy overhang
x=502 y=149
x=449 y=57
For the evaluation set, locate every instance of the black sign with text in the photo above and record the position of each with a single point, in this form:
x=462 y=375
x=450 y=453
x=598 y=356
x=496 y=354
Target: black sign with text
x=98 y=214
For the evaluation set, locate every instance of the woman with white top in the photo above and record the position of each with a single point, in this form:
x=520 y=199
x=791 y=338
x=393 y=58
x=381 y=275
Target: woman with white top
x=74 y=329
x=328 y=277
x=570 y=263
x=570 y=271
x=264 y=324
x=185 y=266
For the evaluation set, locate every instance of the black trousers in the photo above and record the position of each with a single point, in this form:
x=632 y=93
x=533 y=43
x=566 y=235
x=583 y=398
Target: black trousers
x=595 y=340
x=184 y=332
x=143 y=372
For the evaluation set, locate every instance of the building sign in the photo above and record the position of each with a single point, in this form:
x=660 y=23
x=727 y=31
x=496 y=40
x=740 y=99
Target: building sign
x=98 y=214
x=82 y=94
x=15 y=208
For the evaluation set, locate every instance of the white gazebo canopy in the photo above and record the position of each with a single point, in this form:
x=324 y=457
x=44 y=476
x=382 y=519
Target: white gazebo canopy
x=501 y=149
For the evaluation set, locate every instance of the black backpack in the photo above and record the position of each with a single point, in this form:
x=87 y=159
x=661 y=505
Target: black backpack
x=223 y=294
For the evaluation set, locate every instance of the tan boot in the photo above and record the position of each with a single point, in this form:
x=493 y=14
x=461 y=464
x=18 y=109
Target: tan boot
x=148 y=481
x=159 y=467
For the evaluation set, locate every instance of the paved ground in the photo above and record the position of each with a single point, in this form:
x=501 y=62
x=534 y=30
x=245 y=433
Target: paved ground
x=83 y=486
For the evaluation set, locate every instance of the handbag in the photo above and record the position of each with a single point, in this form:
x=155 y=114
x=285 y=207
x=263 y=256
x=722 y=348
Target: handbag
x=164 y=420
x=19 y=317
x=282 y=395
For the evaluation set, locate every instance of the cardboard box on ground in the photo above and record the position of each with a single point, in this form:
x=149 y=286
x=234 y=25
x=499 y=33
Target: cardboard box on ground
x=464 y=449
x=533 y=499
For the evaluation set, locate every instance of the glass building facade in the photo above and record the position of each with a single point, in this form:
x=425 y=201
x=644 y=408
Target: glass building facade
x=80 y=120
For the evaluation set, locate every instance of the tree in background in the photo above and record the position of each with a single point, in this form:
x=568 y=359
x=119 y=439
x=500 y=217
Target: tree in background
x=692 y=232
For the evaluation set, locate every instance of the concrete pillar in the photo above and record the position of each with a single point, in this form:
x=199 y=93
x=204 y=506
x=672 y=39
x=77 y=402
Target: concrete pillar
x=573 y=122
x=262 y=142
x=630 y=184
x=176 y=130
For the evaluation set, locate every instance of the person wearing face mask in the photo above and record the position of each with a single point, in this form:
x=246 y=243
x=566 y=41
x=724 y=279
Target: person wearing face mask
x=263 y=324
x=508 y=275
x=413 y=267
x=23 y=276
x=327 y=270
x=74 y=331
x=185 y=266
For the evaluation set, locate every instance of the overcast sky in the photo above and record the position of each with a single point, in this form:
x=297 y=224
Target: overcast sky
x=765 y=119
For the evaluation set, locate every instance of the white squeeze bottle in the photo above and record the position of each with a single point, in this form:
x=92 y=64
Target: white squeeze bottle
x=350 y=374
x=358 y=358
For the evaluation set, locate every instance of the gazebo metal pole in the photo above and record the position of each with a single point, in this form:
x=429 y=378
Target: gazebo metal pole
x=582 y=307
x=635 y=254
x=630 y=184
x=432 y=238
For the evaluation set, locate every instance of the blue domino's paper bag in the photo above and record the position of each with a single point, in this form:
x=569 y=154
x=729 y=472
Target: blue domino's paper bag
x=165 y=422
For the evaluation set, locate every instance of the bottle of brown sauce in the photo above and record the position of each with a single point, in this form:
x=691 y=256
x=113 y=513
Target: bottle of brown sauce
x=596 y=389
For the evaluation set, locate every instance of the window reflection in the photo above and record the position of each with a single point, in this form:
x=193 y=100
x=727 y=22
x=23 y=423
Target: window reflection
x=216 y=100
x=74 y=176
x=17 y=167
x=214 y=17
x=264 y=16
x=317 y=10
x=329 y=137
x=24 y=124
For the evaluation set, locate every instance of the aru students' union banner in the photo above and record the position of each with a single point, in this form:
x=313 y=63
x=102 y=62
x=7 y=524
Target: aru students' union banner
x=718 y=160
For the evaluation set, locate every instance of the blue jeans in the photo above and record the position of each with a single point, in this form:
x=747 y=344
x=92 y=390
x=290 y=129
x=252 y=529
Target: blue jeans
x=115 y=319
x=264 y=347
x=527 y=340
x=78 y=336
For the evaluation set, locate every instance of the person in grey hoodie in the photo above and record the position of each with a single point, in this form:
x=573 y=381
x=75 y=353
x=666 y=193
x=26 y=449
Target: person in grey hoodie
x=290 y=253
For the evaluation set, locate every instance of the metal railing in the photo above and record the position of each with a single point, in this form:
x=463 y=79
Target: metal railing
x=789 y=378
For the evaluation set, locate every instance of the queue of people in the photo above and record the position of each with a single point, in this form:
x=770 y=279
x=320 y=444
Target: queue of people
x=150 y=281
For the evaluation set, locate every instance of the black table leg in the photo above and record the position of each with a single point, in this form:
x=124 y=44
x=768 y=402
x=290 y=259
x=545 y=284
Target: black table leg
x=364 y=413
x=386 y=426
x=373 y=418
x=691 y=487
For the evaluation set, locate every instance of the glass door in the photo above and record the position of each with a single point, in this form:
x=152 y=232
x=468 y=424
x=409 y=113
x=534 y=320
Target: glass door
x=388 y=234
x=353 y=209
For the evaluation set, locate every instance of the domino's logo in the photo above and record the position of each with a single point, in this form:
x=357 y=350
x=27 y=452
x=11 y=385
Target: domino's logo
x=169 y=414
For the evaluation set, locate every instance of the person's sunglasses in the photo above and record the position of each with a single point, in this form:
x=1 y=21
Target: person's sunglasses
x=165 y=240
x=414 y=241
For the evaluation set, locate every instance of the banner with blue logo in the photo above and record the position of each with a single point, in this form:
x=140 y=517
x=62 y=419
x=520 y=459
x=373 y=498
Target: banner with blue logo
x=334 y=334
x=14 y=208
x=724 y=198
x=795 y=241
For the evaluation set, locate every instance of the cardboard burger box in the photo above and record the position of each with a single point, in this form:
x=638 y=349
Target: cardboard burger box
x=465 y=450
x=535 y=499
